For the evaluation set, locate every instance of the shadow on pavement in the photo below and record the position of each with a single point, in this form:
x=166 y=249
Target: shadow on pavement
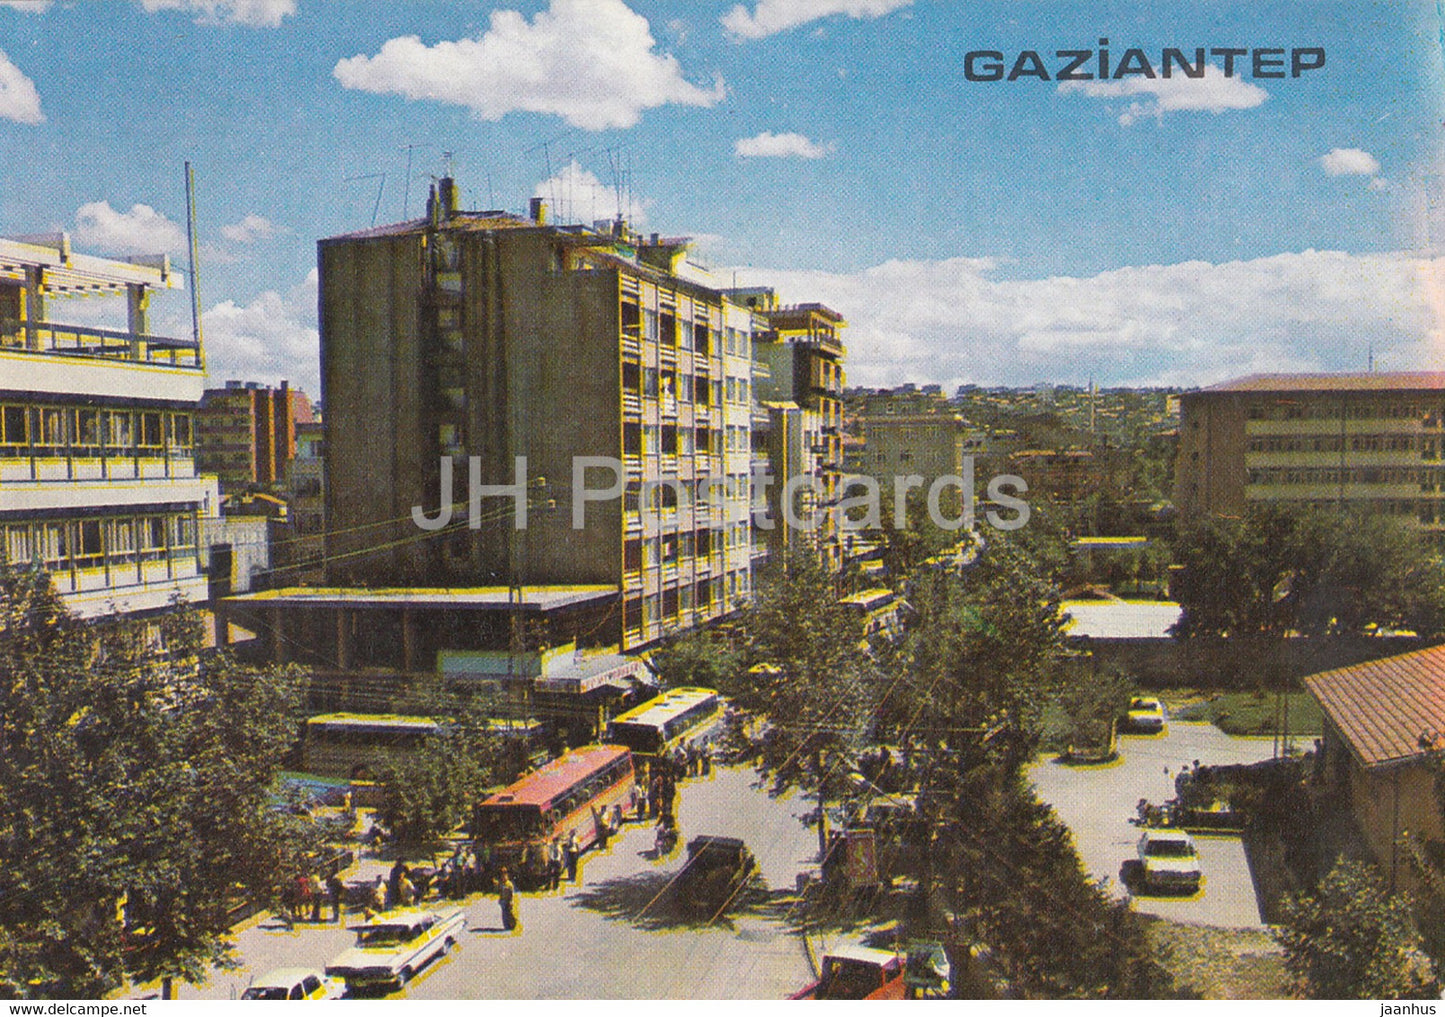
x=652 y=901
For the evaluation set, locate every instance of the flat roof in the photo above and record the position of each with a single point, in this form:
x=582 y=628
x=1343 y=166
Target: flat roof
x=1384 y=381
x=534 y=598
x=1120 y=619
x=1383 y=708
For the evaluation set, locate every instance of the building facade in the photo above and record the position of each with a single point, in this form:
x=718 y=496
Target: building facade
x=803 y=393
x=246 y=432
x=98 y=477
x=1327 y=440
x=466 y=340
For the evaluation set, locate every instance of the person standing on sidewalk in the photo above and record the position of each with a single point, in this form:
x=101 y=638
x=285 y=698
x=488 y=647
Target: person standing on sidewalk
x=336 y=890
x=507 y=899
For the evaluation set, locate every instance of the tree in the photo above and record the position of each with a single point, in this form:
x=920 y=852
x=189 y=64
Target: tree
x=135 y=795
x=1351 y=939
x=429 y=792
x=817 y=688
x=1280 y=570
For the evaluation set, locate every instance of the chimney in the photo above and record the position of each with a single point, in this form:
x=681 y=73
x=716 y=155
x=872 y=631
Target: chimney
x=537 y=210
x=449 y=197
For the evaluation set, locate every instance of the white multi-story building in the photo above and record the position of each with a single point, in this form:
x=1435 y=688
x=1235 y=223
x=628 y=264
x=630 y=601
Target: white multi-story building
x=98 y=481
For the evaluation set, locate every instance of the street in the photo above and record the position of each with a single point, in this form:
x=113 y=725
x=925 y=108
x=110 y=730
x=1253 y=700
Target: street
x=607 y=937
x=1097 y=802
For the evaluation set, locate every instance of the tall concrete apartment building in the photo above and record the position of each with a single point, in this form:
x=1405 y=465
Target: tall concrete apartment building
x=484 y=337
x=98 y=478
x=1352 y=440
x=246 y=432
x=801 y=386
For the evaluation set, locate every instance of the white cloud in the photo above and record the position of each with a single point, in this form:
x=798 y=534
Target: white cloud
x=576 y=195
x=28 y=6
x=19 y=101
x=142 y=230
x=591 y=62
x=1339 y=162
x=250 y=229
x=272 y=337
x=1215 y=92
x=1190 y=323
x=249 y=13
x=770 y=16
x=768 y=144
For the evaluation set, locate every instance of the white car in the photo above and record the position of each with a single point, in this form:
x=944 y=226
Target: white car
x=1145 y=713
x=393 y=947
x=294 y=983
x=1168 y=861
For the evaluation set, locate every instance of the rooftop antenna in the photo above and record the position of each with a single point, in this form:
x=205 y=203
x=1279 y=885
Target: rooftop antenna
x=192 y=241
x=379 y=187
x=406 y=193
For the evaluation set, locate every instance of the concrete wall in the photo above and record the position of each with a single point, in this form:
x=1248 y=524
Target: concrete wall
x=369 y=315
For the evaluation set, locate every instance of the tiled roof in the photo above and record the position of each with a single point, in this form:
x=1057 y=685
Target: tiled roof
x=1362 y=382
x=1384 y=706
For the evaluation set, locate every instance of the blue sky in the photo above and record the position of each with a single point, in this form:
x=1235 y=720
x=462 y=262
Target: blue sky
x=1137 y=231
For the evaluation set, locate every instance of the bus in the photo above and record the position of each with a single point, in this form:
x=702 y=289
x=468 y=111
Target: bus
x=676 y=716
x=566 y=796
x=357 y=745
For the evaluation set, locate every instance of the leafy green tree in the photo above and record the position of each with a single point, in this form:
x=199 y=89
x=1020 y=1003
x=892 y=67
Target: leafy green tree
x=817 y=687
x=707 y=658
x=1279 y=570
x=1351 y=939
x=135 y=795
x=427 y=793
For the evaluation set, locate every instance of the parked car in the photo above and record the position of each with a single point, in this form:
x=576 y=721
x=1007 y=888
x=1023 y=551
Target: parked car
x=858 y=972
x=717 y=868
x=1168 y=861
x=295 y=983
x=393 y=947
x=1145 y=714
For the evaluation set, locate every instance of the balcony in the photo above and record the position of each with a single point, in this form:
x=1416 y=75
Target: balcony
x=49 y=337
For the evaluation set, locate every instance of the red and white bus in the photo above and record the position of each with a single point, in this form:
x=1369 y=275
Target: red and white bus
x=567 y=795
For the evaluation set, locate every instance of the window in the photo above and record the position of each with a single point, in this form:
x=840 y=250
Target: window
x=49 y=431
x=180 y=430
x=85 y=426
x=14 y=435
x=150 y=431
x=89 y=551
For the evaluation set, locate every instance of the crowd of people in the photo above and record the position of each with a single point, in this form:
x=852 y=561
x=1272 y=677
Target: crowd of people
x=477 y=867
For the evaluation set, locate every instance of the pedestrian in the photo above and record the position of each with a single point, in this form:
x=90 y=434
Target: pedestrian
x=632 y=796
x=376 y=899
x=570 y=852
x=317 y=891
x=335 y=889
x=641 y=803
x=654 y=797
x=554 y=863
x=405 y=891
x=393 y=881
x=617 y=817
x=303 y=895
x=599 y=826
x=507 y=899
x=707 y=759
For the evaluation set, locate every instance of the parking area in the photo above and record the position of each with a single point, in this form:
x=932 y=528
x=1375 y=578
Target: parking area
x=1098 y=802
